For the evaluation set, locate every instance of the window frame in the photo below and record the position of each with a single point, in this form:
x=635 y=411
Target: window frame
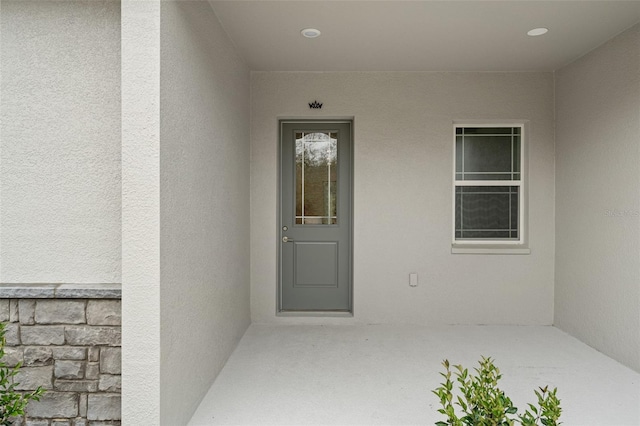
x=494 y=246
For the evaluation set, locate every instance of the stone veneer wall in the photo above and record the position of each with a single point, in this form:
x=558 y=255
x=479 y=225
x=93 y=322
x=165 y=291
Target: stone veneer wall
x=68 y=339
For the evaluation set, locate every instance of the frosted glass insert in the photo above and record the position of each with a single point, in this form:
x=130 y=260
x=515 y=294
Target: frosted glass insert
x=316 y=178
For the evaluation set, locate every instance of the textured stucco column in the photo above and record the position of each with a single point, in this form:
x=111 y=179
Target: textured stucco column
x=141 y=212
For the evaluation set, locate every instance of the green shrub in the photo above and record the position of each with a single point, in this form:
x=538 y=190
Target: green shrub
x=12 y=403
x=484 y=404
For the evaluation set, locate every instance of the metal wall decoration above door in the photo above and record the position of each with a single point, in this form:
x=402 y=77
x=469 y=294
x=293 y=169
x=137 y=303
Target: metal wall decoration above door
x=315 y=220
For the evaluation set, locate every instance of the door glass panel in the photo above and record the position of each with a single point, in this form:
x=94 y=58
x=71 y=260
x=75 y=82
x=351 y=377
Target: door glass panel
x=316 y=178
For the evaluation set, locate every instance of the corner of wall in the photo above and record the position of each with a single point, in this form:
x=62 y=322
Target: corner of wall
x=140 y=212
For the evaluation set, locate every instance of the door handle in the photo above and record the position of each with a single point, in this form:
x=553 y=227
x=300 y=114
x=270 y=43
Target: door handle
x=287 y=240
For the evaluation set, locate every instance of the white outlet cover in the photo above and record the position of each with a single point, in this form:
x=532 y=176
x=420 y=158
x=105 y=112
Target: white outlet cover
x=413 y=280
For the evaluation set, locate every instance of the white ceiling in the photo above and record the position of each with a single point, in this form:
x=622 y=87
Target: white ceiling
x=420 y=35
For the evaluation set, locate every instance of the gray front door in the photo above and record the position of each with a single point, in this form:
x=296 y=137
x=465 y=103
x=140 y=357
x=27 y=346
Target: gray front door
x=315 y=216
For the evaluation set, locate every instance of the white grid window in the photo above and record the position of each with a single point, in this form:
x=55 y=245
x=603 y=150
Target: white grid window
x=488 y=184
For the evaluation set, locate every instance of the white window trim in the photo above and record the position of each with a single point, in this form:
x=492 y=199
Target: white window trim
x=519 y=246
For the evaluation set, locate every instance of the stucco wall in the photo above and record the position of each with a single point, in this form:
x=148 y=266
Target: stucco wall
x=140 y=34
x=60 y=144
x=403 y=194
x=598 y=198
x=204 y=209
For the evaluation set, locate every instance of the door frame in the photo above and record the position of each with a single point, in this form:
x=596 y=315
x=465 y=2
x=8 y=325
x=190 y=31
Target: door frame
x=279 y=311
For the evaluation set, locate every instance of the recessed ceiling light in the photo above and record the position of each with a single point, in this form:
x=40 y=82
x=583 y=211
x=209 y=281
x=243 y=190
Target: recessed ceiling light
x=537 y=31
x=310 y=32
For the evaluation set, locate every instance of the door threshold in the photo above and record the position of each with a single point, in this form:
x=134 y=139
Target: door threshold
x=340 y=314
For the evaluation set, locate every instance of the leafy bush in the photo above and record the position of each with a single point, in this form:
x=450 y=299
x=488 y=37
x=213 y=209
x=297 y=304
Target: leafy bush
x=12 y=403
x=484 y=404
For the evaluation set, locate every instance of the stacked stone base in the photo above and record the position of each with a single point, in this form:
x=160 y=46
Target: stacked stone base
x=71 y=348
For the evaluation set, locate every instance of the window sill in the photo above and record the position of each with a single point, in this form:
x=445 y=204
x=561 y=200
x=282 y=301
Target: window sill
x=338 y=314
x=488 y=249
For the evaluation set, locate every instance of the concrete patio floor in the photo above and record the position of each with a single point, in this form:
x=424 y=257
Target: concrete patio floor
x=383 y=375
